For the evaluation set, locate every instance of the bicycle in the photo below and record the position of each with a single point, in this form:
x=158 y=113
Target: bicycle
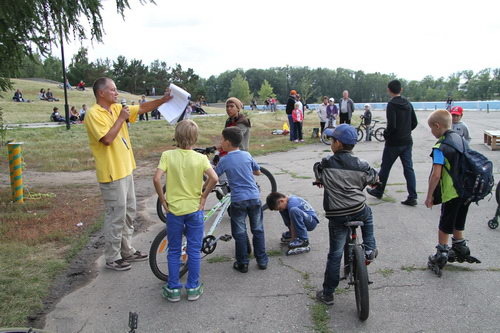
x=355 y=270
x=266 y=183
x=159 y=247
x=377 y=133
x=324 y=138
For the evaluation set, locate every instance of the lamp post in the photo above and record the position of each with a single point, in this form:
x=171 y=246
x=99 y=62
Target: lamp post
x=66 y=107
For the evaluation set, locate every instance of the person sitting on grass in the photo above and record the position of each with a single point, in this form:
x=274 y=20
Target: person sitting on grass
x=344 y=177
x=184 y=201
x=298 y=215
x=55 y=116
x=239 y=167
x=50 y=96
x=18 y=96
x=42 y=95
x=73 y=114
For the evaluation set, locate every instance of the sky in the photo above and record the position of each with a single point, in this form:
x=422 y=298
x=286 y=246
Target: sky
x=409 y=38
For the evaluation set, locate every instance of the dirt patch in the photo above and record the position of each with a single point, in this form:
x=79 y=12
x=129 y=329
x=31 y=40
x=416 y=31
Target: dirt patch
x=81 y=269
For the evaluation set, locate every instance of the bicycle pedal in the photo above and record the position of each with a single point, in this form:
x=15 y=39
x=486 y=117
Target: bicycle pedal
x=226 y=238
x=370 y=282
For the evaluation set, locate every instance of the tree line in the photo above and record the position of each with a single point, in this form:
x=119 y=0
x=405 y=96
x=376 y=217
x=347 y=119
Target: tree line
x=136 y=77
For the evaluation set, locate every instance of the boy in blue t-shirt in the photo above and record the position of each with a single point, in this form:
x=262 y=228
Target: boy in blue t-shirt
x=239 y=167
x=298 y=216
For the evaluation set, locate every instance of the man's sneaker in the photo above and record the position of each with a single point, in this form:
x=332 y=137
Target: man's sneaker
x=374 y=193
x=195 y=293
x=118 y=265
x=243 y=268
x=297 y=242
x=328 y=300
x=370 y=255
x=172 y=295
x=286 y=237
x=409 y=202
x=137 y=256
x=262 y=266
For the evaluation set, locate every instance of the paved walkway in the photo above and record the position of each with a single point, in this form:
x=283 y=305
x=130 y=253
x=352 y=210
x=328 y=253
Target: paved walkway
x=405 y=296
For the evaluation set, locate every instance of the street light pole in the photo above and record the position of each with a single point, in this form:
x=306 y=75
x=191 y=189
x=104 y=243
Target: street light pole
x=66 y=106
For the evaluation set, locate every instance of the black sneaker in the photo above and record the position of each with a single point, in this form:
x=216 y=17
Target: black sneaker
x=410 y=202
x=262 y=266
x=243 y=268
x=374 y=193
x=328 y=300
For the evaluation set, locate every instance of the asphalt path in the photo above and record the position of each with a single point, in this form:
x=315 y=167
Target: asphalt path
x=404 y=296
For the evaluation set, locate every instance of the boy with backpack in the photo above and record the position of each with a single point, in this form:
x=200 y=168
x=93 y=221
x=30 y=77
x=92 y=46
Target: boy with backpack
x=453 y=183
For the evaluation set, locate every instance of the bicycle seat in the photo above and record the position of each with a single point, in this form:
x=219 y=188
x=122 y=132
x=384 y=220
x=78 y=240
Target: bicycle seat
x=354 y=224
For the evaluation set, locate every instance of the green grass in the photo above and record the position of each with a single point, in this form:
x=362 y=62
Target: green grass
x=412 y=268
x=217 y=259
x=320 y=317
x=58 y=149
x=39 y=111
x=386 y=272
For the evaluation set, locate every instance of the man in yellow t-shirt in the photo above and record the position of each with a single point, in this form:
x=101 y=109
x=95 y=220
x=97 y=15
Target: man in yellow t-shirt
x=112 y=150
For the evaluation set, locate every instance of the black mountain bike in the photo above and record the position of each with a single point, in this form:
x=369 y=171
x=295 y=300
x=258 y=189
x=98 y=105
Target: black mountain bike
x=355 y=271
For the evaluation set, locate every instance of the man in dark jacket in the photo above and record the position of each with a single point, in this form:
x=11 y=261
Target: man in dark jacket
x=290 y=105
x=401 y=120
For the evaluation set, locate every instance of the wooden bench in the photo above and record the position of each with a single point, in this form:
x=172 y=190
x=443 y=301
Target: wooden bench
x=492 y=139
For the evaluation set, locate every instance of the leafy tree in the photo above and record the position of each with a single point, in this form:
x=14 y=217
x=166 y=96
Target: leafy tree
x=265 y=91
x=240 y=89
x=31 y=26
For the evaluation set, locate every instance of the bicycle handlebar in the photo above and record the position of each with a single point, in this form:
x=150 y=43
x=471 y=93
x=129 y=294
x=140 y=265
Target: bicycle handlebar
x=206 y=151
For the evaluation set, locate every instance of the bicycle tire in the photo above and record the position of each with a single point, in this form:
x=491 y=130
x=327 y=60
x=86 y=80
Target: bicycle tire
x=265 y=186
x=360 y=134
x=379 y=134
x=361 y=283
x=326 y=140
x=158 y=257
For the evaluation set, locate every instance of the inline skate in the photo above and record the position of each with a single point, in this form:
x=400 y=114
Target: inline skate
x=298 y=246
x=438 y=261
x=460 y=252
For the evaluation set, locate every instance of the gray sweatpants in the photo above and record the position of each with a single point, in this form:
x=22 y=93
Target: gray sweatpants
x=119 y=203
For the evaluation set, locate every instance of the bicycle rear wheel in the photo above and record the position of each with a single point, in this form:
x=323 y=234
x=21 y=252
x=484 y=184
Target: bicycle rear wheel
x=360 y=134
x=379 y=134
x=160 y=211
x=361 y=283
x=266 y=184
x=326 y=140
x=158 y=256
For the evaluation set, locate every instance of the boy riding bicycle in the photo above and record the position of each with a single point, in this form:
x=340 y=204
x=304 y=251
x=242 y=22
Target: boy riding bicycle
x=184 y=203
x=344 y=177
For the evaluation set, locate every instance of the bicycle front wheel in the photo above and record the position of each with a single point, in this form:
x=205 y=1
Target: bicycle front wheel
x=266 y=184
x=379 y=134
x=360 y=134
x=158 y=256
x=361 y=283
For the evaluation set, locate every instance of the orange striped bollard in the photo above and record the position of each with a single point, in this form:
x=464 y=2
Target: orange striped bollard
x=16 y=171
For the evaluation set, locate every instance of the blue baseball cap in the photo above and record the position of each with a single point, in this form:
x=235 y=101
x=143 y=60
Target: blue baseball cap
x=344 y=133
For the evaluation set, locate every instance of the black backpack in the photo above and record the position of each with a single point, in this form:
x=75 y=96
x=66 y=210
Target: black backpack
x=475 y=175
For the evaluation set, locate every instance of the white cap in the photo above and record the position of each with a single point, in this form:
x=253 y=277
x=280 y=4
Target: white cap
x=332 y=99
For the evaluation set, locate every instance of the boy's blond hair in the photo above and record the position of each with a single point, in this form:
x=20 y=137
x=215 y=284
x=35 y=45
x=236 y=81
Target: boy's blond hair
x=186 y=134
x=442 y=117
x=297 y=105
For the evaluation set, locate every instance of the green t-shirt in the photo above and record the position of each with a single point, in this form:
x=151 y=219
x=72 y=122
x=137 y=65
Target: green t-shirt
x=184 y=171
